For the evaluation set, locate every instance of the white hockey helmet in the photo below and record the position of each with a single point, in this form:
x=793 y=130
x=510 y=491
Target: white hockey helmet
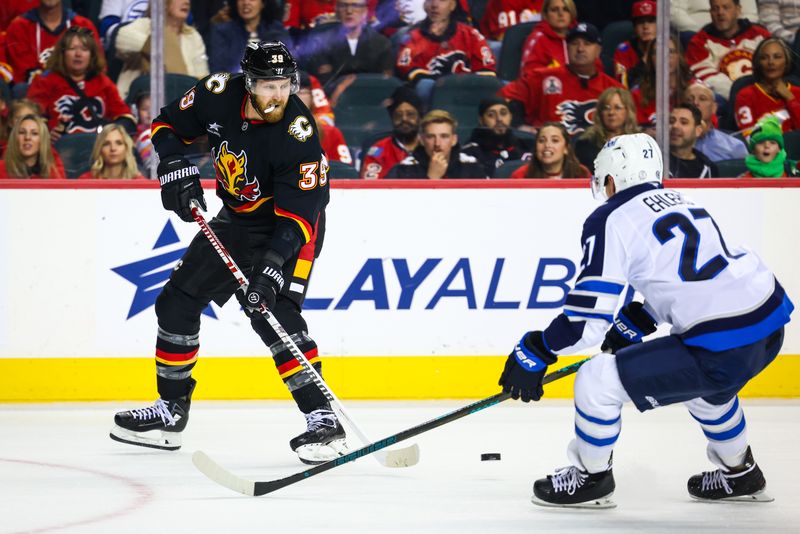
x=630 y=159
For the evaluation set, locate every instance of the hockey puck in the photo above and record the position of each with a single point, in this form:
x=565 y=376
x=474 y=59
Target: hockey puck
x=486 y=456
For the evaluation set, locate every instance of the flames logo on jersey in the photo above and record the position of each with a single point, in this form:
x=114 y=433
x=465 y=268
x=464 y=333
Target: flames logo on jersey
x=453 y=62
x=232 y=174
x=576 y=116
x=79 y=114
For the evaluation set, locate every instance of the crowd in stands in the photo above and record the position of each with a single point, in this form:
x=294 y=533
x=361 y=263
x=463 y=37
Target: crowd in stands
x=528 y=89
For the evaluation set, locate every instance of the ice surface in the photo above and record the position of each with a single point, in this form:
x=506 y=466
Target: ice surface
x=59 y=472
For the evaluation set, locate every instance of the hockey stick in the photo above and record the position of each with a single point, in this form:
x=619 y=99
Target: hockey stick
x=405 y=457
x=222 y=476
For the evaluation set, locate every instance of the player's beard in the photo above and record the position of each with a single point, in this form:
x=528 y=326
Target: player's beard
x=273 y=116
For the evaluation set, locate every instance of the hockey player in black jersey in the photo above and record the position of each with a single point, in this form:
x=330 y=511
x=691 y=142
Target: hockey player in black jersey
x=272 y=178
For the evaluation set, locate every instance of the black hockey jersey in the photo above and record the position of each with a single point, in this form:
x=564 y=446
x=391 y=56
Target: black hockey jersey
x=267 y=173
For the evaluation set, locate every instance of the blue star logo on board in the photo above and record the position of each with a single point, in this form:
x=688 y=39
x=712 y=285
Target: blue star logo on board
x=150 y=274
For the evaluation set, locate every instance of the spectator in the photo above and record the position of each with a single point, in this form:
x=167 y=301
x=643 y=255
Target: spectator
x=716 y=145
x=440 y=45
x=771 y=94
x=692 y=15
x=6 y=72
x=307 y=14
x=30 y=38
x=617 y=116
x=500 y=15
x=767 y=158
x=546 y=46
x=209 y=12
x=439 y=155
x=493 y=142
x=75 y=94
x=350 y=46
x=16 y=110
x=553 y=157
x=29 y=153
x=685 y=161
x=630 y=56
x=568 y=93
x=405 y=110
x=184 y=51
x=116 y=12
x=723 y=50
x=780 y=17
x=112 y=156
x=330 y=137
x=251 y=20
x=11 y=8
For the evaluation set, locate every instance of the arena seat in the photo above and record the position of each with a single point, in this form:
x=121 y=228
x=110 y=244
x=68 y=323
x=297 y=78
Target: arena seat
x=614 y=34
x=361 y=108
x=511 y=52
x=342 y=171
x=76 y=152
x=505 y=170
x=174 y=86
x=731 y=168
x=460 y=95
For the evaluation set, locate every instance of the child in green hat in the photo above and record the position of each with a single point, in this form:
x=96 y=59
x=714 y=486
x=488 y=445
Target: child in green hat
x=767 y=157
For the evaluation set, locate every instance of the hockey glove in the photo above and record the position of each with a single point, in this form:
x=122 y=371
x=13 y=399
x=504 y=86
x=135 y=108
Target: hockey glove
x=631 y=324
x=180 y=183
x=266 y=281
x=526 y=366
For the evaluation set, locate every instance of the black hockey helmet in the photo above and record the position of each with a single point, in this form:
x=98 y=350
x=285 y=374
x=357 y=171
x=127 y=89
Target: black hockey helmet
x=269 y=60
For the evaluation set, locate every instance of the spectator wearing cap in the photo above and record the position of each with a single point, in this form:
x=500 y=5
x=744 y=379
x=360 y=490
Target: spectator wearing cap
x=441 y=45
x=493 y=142
x=772 y=93
x=251 y=20
x=630 y=56
x=723 y=50
x=715 y=144
x=614 y=115
x=438 y=155
x=405 y=111
x=349 y=46
x=330 y=137
x=546 y=46
x=767 y=158
x=566 y=94
x=685 y=161
x=30 y=37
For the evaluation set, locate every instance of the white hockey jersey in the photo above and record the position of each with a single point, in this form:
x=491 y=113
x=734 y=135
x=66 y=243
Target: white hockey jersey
x=716 y=296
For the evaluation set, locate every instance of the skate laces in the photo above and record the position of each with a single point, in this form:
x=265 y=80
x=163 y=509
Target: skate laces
x=159 y=409
x=568 y=479
x=715 y=480
x=320 y=419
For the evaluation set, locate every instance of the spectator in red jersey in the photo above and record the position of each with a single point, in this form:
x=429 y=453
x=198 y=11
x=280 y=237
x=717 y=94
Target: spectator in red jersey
x=349 y=46
x=306 y=14
x=6 y=72
x=566 y=94
x=440 y=45
x=767 y=158
x=11 y=8
x=405 y=110
x=546 y=46
x=630 y=56
x=493 y=142
x=330 y=137
x=500 y=15
x=75 y=94
x=553 y=157
x=30 y=38
x=723 y=50
x=617 y=116
x=439 y=155
x=771 y=94
x=15 y=111
x=112 y=156
x=29 y=153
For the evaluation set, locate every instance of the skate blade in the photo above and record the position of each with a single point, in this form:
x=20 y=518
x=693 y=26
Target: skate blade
x=317 y=453
x=154 y=439
x=594 y=504
x=759 y=496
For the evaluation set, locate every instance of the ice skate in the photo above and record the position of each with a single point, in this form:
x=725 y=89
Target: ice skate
x=323 y=440
x=745 y=483
x=570 y=487
x=158 y=426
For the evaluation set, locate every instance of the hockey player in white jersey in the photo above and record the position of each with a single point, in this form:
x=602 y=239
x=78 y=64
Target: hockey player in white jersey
x=727 y=312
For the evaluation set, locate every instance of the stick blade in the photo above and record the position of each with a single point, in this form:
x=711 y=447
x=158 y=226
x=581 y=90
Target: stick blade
x=222 y=476
x=405 y=457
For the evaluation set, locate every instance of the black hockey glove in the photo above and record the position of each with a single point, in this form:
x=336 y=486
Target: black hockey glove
x=180 y=183
x=526 y=366
x=631 y=324
x=266 y=281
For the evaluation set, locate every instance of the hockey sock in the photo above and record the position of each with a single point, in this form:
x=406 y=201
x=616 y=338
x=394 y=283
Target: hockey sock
x=176 y=355
x=299 y=381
